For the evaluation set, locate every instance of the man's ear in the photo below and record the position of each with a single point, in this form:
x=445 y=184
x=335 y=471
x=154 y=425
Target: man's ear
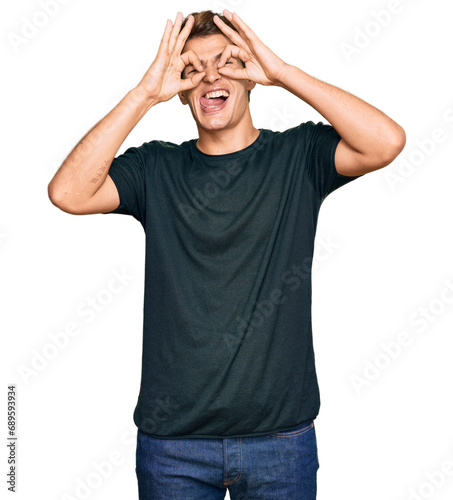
x=250 y=85
x=182 y=97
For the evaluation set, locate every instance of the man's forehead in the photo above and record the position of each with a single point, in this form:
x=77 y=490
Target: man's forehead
x=209 y=47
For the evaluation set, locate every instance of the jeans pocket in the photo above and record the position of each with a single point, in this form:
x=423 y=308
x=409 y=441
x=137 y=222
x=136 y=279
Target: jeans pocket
x=295 y=431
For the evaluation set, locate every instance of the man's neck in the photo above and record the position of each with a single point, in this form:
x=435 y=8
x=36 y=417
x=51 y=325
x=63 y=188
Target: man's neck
x=218 y=142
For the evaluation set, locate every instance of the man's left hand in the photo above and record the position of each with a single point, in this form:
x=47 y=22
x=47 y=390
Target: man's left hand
x=261 y=64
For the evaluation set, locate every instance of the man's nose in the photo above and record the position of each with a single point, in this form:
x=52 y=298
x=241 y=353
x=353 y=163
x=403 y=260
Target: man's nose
x=212 y=73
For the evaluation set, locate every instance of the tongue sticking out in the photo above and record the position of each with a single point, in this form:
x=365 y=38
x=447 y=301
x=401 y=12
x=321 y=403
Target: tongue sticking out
x=216 y=101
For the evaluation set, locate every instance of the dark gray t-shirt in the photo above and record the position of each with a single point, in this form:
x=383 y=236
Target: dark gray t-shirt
x=227 y=338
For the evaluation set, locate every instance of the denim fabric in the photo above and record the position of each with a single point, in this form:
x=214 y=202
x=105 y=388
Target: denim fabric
x=281 y=465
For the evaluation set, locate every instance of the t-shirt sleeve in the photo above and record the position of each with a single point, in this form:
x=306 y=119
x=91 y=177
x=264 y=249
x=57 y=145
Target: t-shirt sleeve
x=322 y=142
x=128 y=174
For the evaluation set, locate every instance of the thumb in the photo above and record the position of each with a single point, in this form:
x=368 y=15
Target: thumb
x=190 y=83
x=234 y=73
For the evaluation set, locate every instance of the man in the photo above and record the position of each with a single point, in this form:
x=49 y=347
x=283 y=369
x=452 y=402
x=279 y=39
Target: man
x=229 y=391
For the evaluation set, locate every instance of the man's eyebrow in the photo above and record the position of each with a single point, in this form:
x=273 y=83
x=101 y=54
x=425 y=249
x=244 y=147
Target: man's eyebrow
x=216 y=58
x=203 y=63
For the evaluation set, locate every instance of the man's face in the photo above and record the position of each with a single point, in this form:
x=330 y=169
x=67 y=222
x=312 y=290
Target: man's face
x=211 y=112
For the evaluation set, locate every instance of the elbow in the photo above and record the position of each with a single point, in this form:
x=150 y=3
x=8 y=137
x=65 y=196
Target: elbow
x=399 y=141
x=381 y=153
x=392 y=147
x=59 y=199
x=54 y=195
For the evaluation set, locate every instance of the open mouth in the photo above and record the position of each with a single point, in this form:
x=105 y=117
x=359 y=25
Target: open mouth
x=215 y=99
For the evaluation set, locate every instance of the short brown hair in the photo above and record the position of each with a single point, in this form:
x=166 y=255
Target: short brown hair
x=204 y=25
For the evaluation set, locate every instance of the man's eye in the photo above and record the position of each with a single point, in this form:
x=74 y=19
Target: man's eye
x=191 y=71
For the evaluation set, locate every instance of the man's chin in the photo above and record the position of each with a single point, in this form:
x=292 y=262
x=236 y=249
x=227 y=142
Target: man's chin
x=213 y=123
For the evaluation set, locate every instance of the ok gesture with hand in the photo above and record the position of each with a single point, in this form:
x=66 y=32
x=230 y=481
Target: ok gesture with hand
x=261 y=64
x=163 y=79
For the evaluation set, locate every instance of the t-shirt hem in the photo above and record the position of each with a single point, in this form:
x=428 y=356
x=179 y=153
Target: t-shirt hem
x=222 y=436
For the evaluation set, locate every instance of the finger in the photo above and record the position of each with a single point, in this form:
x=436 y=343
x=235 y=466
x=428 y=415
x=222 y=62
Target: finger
x=182 y=38
x=234 y=36
x=190 y=83
x=190 y=57
x=163 y=47
x=234 y=73
x=245 y=31
x=233 y=51
x=175 y=32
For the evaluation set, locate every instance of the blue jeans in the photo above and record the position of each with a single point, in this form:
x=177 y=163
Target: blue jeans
x=280 y=465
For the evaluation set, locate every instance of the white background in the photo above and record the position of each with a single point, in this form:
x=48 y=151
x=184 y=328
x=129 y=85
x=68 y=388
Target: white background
x=390 y=235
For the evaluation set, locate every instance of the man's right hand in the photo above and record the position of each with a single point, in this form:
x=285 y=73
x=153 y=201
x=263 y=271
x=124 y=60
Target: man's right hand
x=82 y=184
x=163 y=79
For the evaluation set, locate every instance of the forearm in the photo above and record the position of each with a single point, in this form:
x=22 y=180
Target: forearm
x=366 y=129
x=87 y=166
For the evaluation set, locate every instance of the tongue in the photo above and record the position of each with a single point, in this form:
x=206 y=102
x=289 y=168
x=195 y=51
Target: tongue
x=216 y=101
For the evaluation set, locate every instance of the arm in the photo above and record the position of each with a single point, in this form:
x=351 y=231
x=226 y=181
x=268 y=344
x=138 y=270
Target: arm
x=82 y=184
x=369 y=139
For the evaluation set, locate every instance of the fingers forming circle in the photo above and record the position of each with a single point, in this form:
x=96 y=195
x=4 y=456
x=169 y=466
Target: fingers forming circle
x=191 y=58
